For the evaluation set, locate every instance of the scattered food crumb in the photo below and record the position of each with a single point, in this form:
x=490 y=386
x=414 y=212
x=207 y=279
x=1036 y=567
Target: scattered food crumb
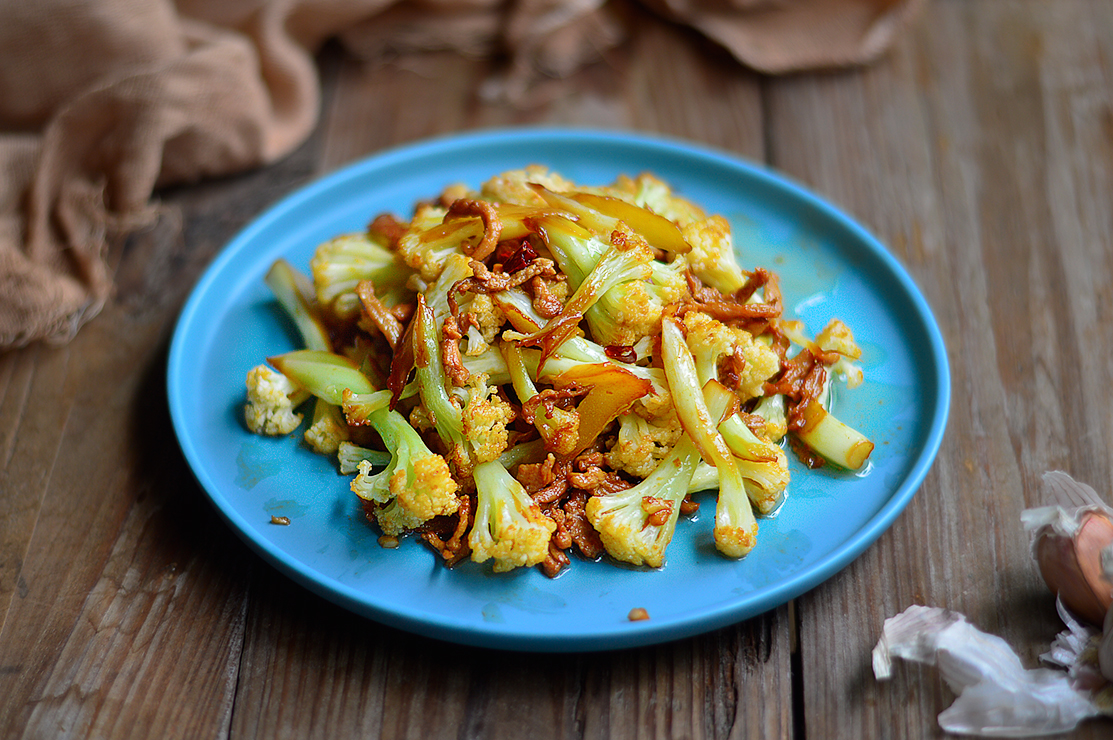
x=388 y=542
x=638 y=615
x=283 y=520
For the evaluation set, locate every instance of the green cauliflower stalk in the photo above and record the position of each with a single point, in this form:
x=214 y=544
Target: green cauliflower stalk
x=735 y=529
x=414 y=487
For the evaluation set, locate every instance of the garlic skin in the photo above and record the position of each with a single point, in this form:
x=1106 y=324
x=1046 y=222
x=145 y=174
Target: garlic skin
x=997 y=696
x=1067 y=544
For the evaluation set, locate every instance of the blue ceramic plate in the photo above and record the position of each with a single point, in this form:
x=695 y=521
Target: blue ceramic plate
x=829 y=266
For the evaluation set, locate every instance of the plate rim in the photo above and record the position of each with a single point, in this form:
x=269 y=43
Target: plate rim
x=635 y=634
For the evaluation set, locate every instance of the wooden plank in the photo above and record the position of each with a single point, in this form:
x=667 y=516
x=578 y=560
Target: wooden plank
x=374 y=107
x=966 y=151
x=124 y=592
x=106 y=570
x=28 y=447
x=312 y=669
x=678 y=84
x=663 y=80
x=731 y=683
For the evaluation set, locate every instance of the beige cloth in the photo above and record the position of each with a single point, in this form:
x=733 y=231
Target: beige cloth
x=104 y=101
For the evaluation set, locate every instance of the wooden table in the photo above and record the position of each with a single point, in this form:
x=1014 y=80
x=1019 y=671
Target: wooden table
x=980 y=150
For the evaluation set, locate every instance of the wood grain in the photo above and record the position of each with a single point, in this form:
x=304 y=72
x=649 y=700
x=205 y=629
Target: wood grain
x=956 y=153
x=980 y=150
x=119 y=568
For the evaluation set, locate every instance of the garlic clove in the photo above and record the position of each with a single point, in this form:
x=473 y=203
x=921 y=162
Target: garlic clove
x=1105 y=647
x=997 y=696
x=1067 y=542
x=1071 y=566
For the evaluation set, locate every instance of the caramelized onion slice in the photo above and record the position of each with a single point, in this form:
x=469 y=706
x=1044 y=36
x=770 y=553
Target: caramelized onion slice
x=657 y=230
x=613 y=391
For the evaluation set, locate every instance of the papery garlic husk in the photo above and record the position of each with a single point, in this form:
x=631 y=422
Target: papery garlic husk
x=1067 y=542
x=997 y=696
x=1075 y=650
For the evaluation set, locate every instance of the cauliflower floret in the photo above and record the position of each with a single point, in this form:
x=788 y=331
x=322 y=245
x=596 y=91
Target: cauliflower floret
x=632 y=309
x=428 y=242
x=838 y=337
x=669 y=281
x=625 y=313
x=653 y=193
x=712 y=257
x=641 y=445
x=349 y=455
x=340 y=264
x=711 y=341
x=414 y=487
x=418 y=497
x=372 y=486
x=328 y=429
x=637 y=524
x=271 y=400
x=513 y=186
x=626 y=316
x=656 y=407
x=509 y=527
x=485 y=419
x=412 y=465
x=488 y=320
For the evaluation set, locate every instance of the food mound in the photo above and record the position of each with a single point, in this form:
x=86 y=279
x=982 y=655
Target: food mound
x=541 y=368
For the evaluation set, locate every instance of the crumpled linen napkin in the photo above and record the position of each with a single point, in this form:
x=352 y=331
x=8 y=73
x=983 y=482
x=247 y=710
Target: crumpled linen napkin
x=104 y=101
